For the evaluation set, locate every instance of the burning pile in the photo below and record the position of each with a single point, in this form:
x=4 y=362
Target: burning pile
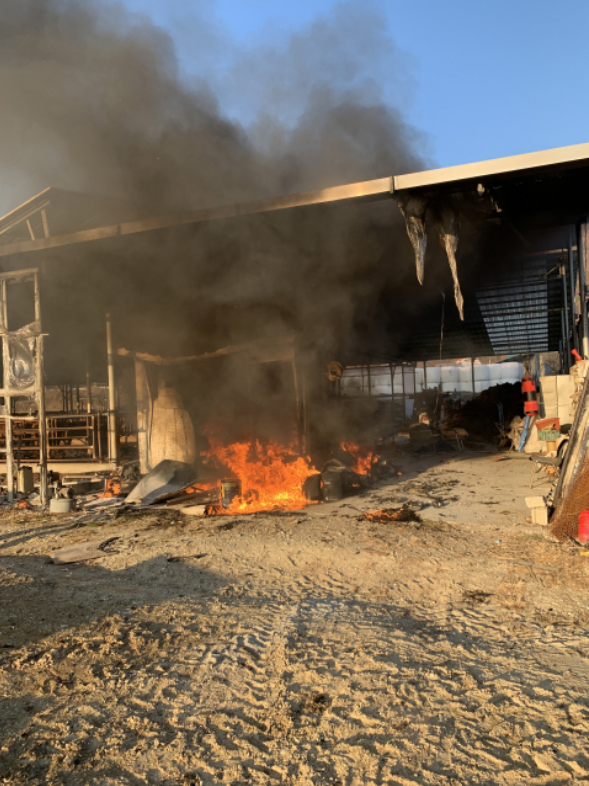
x=391 y=514
x=363 y=457
x=271 y=476
x=256 y=476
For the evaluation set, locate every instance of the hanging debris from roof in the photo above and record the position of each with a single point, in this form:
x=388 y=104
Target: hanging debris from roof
x=446 y=219
x=413 y=209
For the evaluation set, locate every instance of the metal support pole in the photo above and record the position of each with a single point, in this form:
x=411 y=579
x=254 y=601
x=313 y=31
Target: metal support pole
x=142 y=394
x=392 y=373
x=424 y=375
x=113 y=442
x=41 y=400
x=472 y=375
x=7 y=410
x=572 y=288
x=88 y=394
x=369 y=380
x=306 y=435
x=582 y=293
x=565 y=309
x=295 y=381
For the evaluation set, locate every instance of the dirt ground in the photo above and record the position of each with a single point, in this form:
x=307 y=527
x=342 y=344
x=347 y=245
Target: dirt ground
x=303 y=648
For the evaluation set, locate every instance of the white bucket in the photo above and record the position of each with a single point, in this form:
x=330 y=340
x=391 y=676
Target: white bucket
x=60 y=505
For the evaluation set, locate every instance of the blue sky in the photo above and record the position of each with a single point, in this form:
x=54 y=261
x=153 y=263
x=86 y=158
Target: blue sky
x=482 y=78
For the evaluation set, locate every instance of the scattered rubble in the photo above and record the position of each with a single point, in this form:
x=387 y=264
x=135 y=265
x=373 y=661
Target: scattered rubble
x=81 y=552
x=162 y=482
x=482 y=416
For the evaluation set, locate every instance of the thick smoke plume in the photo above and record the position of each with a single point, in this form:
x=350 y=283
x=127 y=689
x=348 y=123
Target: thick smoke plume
x=94 y=100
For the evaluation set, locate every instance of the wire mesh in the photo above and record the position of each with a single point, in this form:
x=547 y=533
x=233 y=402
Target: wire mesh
x=565 y=520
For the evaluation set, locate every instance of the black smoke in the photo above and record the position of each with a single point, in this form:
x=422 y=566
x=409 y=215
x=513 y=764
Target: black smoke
x=94 y=99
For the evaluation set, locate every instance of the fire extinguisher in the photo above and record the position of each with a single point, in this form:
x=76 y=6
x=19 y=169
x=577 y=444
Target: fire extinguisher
x=531 y=398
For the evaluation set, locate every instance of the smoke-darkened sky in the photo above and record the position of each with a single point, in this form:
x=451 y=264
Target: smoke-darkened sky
x=96 y=99
x=489 y=78
x=99 y=99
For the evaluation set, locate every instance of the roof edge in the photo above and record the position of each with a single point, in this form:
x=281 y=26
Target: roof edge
x=494 y=166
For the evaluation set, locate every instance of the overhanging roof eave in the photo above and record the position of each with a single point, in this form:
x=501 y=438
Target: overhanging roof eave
x=527 y=163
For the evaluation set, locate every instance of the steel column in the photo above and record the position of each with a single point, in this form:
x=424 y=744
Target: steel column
x=88 y=393
x=572 y=288
x=8 y=410
x=472 y=375
x=113 y=442
x=582 y=293
x=565 y=310
x=41 y=399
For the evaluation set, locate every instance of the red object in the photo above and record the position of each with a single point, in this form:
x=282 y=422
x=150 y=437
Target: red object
x=576 y=355
x=584 y=526
x=529 y=390
x=551 y=423
x=112 y=487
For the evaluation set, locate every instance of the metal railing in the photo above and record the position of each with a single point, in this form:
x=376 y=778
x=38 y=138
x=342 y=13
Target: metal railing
x=70 y=437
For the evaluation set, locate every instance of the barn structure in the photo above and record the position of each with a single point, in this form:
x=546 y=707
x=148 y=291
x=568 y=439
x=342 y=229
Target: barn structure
x=490 y=262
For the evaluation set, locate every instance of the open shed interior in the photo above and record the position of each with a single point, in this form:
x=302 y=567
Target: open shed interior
x=252 y=324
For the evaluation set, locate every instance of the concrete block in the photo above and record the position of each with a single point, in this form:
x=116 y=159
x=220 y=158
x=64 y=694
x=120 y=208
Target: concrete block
x=194 y=510
x=540 y=516
x=535 y=502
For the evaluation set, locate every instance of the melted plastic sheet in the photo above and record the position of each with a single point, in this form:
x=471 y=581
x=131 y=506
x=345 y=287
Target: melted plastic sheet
x=447 y=223
x=413 y=209
x=19 y=358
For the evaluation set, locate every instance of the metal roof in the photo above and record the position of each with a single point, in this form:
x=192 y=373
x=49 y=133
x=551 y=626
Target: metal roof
x=516 y=310
x=547 y=161
x=557 y=157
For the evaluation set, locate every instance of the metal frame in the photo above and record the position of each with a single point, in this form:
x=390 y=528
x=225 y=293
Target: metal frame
x=113 y=438
x=37 y=391
x=61 y=428
x=582 y=288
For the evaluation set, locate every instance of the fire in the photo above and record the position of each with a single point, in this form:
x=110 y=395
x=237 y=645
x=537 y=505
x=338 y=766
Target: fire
x=271 y=475
x=362 y=457
x=391 y=514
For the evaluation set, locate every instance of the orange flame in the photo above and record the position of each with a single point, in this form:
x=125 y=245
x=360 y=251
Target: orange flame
x=271 y=475
x=362 y=457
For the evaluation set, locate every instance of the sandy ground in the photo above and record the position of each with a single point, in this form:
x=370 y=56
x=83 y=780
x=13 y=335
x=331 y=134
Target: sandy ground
x=307 y=648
